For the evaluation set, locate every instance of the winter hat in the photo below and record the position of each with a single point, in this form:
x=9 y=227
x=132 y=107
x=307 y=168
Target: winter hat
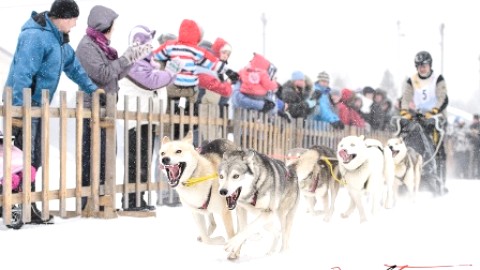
x=101 y=18
x=298 y=76
x=205 y=44
x=166 y=37
x=323 y=76
x=368 y=90
x=140 y=34
x=64 y=9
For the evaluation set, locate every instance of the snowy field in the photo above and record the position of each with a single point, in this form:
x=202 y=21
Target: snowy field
x=432 y=232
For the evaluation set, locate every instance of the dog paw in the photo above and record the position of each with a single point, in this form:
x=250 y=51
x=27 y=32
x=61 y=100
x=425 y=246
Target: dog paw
x=233 y=256
x=219 y=240
x=344 y=215
x=234 y=244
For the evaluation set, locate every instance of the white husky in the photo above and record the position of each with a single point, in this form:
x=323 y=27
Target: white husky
x=367 y=168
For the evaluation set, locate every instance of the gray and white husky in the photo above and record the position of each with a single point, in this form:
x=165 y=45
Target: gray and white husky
x=260 y=186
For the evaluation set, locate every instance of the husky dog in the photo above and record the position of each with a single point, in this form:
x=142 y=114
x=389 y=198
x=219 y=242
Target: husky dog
x=366 y=167
x=260 y=186
x=317 y=171
x=408 y=167
x=195 y=178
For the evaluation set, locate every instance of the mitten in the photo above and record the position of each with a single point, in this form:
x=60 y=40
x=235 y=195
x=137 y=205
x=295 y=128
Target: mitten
x=174 y=66
x=285 y=115
x=232 y=75
x=316 y=95
x=268 y=105
x=137 y=52
x=338 y=125
x=311 y=103
x=405 y=115
x=431 y=113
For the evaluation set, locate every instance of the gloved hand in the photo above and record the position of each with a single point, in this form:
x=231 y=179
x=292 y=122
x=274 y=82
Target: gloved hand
x=285 y=115
x=405 y=115
x=268 y=105
x=174 y=66
x=137 y=52
x=232 y=75
x=311 y=103
x=338 y=125
x=431 y=113
x=316 y=95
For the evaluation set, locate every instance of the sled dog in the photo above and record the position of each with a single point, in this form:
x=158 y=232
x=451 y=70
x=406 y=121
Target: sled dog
x=408 y=167
x=318 y=178
x=195 y=177
x=367 y=168
x=260 y=186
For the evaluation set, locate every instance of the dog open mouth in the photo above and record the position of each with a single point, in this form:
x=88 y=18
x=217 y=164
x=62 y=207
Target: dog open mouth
x=394 y=152
x=232 y=199
x=174 y=173
x=346 y=157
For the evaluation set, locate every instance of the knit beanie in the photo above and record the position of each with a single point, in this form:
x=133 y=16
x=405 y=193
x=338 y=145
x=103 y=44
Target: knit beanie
x=323 y=76
x=298 y=76
x=140 y=34
x=166 y=37
x=64 y=9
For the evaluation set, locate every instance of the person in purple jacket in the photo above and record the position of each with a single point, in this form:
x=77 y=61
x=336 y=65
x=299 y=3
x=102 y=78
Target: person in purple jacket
x=146 y=81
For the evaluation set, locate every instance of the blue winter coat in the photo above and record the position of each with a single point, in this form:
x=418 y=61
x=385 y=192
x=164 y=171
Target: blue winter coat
x=40 y=57
x=324 y=111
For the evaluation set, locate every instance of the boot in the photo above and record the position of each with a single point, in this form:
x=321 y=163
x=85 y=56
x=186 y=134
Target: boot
x=36 y=216
x=143 y=204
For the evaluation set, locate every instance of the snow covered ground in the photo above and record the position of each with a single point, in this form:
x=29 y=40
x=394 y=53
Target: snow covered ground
x=431 y=232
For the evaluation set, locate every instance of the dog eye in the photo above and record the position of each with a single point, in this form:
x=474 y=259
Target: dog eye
x=178 y=151
x=220 y=176
x=235 y=176
x=162 y=153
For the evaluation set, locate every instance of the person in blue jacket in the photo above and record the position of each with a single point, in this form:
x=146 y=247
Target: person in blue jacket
x=41 y=55
x=324 y=109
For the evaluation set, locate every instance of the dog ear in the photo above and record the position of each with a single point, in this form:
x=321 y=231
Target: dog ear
x=249 y=154
x=189 y=137
x=165 y=140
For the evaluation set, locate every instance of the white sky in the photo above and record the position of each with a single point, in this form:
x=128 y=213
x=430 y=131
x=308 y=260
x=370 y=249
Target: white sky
x=432 y=232
x=353 y=40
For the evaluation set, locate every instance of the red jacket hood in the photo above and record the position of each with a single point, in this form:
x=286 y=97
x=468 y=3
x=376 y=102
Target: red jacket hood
x=189 y=33
x=347 y=94
x=259 y=62
x=218 y=45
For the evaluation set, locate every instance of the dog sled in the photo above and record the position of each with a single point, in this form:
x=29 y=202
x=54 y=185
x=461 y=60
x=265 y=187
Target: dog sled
x=17 y=181
x=426 y=136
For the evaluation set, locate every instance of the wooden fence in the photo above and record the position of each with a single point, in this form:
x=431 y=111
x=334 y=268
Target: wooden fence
x=273 y=136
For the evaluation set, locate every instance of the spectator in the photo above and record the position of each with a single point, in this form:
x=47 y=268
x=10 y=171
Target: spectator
x=474 y=136
x=256 y=87
x=461 y=147
x=296 y=93
x=346 y=111
x=147 y=81
x=105 y=68
x=379 y=111
x=325 y=108
x=213 y=87
x=41 y=55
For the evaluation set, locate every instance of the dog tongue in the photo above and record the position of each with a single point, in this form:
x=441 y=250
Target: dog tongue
x=343 y=154
x=174 y=171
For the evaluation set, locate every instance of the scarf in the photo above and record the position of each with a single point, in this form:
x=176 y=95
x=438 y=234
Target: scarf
x=100 y=39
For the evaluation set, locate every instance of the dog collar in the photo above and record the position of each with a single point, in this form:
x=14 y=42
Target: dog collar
x=195 y=180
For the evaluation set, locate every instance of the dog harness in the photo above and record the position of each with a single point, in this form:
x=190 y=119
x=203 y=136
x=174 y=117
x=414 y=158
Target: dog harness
x=207 y=202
